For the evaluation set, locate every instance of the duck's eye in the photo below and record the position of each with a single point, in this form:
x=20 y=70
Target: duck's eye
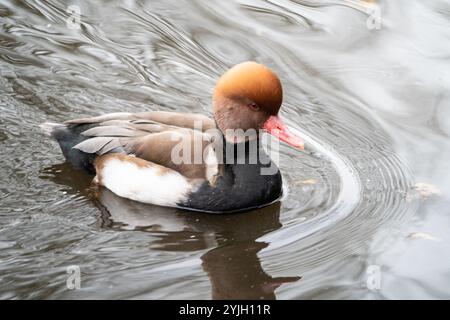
x=253 y=106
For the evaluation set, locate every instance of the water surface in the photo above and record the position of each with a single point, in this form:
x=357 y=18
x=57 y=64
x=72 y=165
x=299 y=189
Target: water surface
x=370 y=97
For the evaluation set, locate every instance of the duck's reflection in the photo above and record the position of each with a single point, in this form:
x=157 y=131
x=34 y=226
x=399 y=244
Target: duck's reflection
x=232 y=264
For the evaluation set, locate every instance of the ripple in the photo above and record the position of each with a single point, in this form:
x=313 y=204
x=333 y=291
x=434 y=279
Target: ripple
x=349 y=186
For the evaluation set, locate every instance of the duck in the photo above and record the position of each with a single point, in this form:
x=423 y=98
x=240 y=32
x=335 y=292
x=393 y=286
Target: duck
x=188 y=160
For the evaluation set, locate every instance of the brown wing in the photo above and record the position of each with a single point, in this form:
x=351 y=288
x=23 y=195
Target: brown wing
x=175 y=119
x=173 y=140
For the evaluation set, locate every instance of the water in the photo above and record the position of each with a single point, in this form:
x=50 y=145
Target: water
x=367 y=200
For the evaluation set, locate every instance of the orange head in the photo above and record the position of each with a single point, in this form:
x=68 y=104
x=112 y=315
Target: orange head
x=249 y=96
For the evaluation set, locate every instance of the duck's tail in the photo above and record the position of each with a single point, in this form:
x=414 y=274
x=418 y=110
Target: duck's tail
x=68 y=136
x=49 y=127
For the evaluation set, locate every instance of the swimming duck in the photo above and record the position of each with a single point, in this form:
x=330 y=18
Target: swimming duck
x=153 y=157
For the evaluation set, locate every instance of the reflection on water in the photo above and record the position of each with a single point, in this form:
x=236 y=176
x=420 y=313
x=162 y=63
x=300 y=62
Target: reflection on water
x=371 y=104
x=230 y=281
x=230 y=261
x=230 y=241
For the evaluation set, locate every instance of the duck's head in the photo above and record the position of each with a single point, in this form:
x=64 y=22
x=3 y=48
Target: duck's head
x=249 y=96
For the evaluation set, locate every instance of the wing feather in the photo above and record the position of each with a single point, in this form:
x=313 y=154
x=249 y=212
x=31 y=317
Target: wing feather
x=93 y=145
x=147 y=135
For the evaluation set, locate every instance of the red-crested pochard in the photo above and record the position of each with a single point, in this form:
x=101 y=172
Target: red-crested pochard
x=132 y=154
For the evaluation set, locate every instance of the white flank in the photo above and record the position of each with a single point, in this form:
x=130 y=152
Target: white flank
x=145 y=184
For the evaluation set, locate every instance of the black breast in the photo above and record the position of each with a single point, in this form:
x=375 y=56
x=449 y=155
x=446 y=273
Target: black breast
x=241 y=186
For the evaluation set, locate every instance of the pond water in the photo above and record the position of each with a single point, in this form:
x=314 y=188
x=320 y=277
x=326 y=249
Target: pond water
x=365 y=213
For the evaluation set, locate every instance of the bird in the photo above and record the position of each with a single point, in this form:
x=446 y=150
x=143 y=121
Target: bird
x=188 y=160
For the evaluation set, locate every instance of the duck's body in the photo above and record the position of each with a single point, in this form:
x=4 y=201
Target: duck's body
x=173 y=159
x=130 y=155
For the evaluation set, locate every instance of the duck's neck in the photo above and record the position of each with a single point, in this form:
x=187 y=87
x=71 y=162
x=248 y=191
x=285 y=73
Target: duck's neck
x=246 y=152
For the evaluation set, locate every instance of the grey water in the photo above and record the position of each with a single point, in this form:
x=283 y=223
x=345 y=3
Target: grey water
x=365 y=214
